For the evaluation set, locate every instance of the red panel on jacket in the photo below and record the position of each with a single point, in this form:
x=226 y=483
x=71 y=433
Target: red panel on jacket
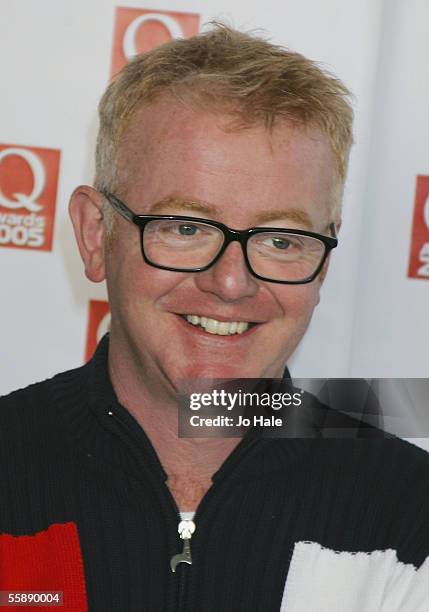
x=49 y=560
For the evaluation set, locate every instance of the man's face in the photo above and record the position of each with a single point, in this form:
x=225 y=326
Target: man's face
x=182 y=161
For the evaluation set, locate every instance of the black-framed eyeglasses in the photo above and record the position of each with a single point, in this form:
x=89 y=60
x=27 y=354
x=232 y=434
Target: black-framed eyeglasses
x=181 y=243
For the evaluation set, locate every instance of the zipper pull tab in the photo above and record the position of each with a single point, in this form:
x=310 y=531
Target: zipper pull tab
x=186 y=529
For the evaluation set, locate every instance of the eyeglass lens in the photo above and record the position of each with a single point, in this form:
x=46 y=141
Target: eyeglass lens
x=189 y=245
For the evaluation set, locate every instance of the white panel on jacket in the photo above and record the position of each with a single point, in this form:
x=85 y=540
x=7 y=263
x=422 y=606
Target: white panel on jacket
x=323 y=580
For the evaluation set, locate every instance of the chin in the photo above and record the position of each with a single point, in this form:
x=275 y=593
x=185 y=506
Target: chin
x=220 y=370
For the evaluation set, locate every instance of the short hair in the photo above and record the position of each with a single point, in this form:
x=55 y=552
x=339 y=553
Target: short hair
x=224 y=70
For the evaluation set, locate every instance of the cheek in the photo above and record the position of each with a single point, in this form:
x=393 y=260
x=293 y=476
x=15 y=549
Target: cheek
x=130 y=278
x=298 y=301
x=143 y=288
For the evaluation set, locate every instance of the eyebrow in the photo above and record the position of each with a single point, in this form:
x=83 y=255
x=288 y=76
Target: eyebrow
x=292 y=214
x=173 y=203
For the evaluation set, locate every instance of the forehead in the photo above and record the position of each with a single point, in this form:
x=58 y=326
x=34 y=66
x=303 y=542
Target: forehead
x=171 y=149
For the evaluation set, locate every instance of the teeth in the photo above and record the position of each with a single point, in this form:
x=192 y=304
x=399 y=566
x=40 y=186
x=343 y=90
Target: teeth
x=233 y=327
x=241 y=327
x=211 y=326
x=223 y=328
x=220 y=328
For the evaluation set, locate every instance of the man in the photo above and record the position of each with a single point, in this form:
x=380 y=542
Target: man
x=220 y=167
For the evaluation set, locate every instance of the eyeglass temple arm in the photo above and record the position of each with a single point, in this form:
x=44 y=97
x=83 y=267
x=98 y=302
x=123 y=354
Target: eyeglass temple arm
x=119 y=206
x=333 y=230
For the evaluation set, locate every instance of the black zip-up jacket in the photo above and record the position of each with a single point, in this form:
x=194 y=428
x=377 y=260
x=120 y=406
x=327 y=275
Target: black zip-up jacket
x=85 y=509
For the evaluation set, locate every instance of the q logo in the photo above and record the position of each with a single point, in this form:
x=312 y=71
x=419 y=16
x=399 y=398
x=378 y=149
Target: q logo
x=140 y=30
x=28 y=193
x=418 y=266
x=170 y=24
x=98 y=325
x=21 y=200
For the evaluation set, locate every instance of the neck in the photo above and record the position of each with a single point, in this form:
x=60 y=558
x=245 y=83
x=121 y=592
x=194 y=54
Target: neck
x=189 y=462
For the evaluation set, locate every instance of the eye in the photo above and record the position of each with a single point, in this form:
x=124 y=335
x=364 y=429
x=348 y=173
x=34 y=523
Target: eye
x=186 y=229
x=177 y=228
x=280 y=243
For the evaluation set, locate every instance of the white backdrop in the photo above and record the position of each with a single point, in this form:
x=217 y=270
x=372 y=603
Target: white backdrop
x=56 y=60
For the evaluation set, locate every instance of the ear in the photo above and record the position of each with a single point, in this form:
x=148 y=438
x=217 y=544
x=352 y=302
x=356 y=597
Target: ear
x=86 y=212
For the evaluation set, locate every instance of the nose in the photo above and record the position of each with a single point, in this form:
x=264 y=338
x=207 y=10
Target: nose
x=229 y=278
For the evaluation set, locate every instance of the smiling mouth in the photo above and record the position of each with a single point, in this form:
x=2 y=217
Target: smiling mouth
x=219 y=328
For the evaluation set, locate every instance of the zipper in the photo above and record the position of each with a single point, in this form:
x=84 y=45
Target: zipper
x=246 y=446
x=186 y=528
x=178 y=590
x=177 y=587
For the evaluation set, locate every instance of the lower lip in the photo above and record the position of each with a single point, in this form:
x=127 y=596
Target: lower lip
x=226 y=338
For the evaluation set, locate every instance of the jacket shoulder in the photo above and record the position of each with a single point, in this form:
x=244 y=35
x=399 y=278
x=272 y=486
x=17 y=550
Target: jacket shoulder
x=32 y=412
